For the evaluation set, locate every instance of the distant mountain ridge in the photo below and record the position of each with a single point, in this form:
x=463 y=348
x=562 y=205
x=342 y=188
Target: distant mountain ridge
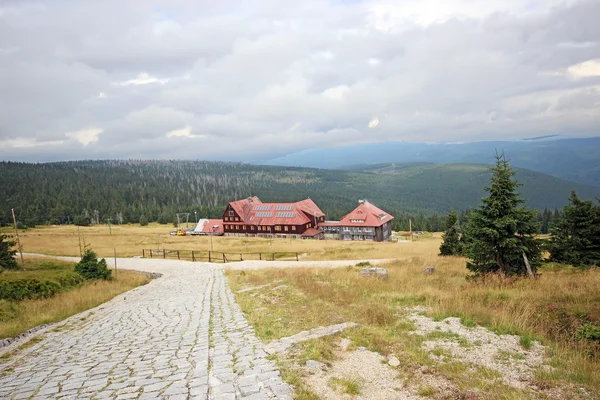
x=574 y=159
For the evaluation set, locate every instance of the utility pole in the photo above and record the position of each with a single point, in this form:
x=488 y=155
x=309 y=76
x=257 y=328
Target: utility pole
x=410 y=229
x=18 y=239
x=79 y=238
x=116 y=274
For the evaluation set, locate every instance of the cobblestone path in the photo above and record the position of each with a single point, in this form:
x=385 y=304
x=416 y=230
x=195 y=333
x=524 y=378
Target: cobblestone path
x=180 y=337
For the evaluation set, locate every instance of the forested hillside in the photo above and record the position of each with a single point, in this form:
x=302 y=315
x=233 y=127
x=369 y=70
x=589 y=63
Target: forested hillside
x=124 y=191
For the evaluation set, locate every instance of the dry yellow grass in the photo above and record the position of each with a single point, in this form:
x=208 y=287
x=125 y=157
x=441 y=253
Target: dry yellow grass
x=18 y=317
x=129 y=240
x=549 y=308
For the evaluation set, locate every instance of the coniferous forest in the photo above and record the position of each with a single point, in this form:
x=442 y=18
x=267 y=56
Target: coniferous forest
x=89 y=192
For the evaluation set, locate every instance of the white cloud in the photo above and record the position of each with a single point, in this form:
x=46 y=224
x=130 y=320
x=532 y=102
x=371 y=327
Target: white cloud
x=373 y=62
x=585 y=69
x=143 y=79
x=185 y=132
x=85 y=136
x=394 y=15
x=262 y=79
x=28 y=143
x=336 y=93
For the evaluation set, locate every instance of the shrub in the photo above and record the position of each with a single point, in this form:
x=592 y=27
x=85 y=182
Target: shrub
x=90 y=268
x=143 y=220
x=25 y=285
x=7 y=256
x=589 y=331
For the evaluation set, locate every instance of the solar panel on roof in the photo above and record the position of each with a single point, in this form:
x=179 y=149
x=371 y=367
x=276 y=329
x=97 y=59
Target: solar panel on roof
x=264 y=214
x=286 y=214
x=261 y=208
x=284 y=207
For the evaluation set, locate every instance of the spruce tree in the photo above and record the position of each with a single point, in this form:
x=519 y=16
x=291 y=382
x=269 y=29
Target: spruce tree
x=576 y=234
x=502 y=230
x=7 y=256
x=451 y=245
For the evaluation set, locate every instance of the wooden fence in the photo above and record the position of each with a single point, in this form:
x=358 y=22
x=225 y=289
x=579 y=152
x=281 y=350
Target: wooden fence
x=217 y=257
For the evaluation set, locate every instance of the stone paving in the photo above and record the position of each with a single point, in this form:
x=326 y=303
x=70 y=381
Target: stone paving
x=182 y=336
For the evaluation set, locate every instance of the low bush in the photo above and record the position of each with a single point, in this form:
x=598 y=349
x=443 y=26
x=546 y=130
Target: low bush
x=590 y=331
x=36 y=285
x=90 y=268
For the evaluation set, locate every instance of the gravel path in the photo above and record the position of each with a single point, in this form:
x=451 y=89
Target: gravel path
x=181 y=336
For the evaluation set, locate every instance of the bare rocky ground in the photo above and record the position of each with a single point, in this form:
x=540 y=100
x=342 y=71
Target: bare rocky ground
x=447 y=341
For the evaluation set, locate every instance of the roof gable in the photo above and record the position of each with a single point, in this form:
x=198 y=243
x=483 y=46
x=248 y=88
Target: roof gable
x=366 y=214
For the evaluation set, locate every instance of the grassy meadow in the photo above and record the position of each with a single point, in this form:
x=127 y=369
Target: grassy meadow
x=19 y=316
x=129 y=240
x=549 y=309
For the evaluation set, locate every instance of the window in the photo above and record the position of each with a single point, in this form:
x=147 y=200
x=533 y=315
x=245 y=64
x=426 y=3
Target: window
x=226 y=218
x=277 y=228
x=252 y=228
x=293 y=228
x=285 y=228
x=237 y=227
x=237 y=218
x=231 y=213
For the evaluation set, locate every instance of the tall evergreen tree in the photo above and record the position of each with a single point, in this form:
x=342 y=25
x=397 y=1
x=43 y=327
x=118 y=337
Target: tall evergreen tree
x=576 y=235
x=7 y=256
x=502 y=230
x=451 y=245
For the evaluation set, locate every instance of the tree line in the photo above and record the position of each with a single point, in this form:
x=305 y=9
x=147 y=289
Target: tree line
x=131 y=191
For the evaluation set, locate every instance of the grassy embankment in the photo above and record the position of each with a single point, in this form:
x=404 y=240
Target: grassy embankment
x=129 y=240
x=19 y=316
x=550 y=309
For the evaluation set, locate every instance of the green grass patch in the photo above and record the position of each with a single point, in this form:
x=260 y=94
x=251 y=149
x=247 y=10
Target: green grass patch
x=344 y=385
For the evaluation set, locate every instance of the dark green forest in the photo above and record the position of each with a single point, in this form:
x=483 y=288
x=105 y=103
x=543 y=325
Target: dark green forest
x=125 y=191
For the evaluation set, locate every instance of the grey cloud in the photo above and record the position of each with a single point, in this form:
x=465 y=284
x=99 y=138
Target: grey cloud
x=260 y=80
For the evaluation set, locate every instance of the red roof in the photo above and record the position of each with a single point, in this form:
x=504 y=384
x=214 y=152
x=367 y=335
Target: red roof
x=210 y=226
x=254 y=212
x=243 y=207
x=310 y=232
x=309 y=207
x=366 y=214
x=330 y=223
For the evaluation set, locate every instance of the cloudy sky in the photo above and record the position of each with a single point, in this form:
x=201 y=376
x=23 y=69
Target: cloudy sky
x=257 y=79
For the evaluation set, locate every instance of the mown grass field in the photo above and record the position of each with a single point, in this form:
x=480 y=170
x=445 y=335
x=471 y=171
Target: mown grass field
x=549 y=309
x=19 y=316
x=129 y=240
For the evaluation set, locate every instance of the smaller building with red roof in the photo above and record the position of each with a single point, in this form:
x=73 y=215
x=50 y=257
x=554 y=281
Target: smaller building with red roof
x=212 y=227
x=365 y=222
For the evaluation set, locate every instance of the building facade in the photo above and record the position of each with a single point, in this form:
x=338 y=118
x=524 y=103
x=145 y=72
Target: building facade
x=252 y=217
x=365 y=222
